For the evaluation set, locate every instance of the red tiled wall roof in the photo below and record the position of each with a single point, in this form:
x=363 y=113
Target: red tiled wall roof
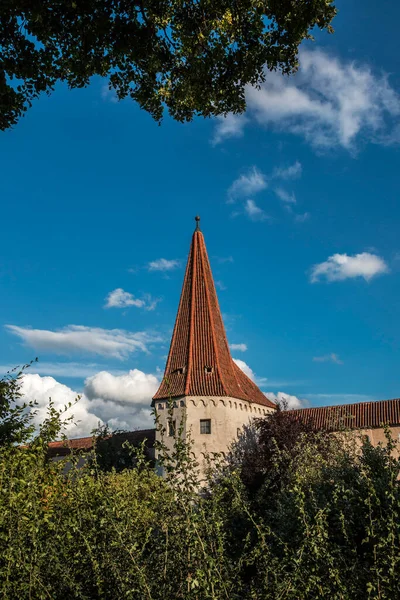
x=363 y=415
x=63 y=447
x=199 y=341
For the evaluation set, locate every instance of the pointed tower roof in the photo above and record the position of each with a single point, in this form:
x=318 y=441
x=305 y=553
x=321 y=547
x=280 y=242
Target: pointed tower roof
x=199 y=361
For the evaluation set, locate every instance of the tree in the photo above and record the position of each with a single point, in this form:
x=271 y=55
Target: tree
x=193 y=57
x=16 y=425
x=17 y=415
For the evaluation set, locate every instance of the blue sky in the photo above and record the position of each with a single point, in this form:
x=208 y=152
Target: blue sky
x=299 y=206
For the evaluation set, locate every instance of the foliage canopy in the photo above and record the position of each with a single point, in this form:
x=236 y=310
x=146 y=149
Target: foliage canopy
x=313 y=517
x=193 y=57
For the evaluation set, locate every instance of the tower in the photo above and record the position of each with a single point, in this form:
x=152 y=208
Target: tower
x=200 y=376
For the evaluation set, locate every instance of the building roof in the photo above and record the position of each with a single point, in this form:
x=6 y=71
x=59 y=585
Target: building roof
x=64 y=447
x=199 y=361
x=362 y=415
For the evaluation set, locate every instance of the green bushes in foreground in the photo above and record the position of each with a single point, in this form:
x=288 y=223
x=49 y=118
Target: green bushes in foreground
x=290 y=514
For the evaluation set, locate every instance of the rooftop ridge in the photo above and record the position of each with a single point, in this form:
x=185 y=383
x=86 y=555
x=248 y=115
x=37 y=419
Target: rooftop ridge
x=343 y=405
x=358 y=415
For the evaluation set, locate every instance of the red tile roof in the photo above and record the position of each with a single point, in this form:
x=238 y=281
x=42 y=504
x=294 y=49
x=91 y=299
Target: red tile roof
x=199 y=341
x=363 y=415
x=64 y=447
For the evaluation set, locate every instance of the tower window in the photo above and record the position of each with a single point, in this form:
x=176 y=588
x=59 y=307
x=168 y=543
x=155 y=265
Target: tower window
x=179 y=370
x=171 y=428
x=208 y=370
x=161 y=407
x=205 y=425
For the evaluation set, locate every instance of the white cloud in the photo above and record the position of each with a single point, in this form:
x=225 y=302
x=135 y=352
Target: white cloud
x=247 y=184
x=238 y=347
x=328 y=102
x=291 y=402
x=150 y=302
x=228 y=127
x=41 y=389
x=260 y=381
x=254 y=181
x=254 y=212
x=116 y=343
x=291 y=172
x=285 y=196
x=133 y=388
x=121 y=401
x=245 y=368
x=220 y=285
x=332 y=357
x=118 y=298
x=341 y=266
x=163 y=264
x=64 y=369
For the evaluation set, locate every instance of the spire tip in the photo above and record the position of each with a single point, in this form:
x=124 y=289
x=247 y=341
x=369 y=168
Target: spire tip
x=197 y=219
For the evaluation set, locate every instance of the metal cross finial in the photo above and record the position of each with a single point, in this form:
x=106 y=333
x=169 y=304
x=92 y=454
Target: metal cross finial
x=197 y=219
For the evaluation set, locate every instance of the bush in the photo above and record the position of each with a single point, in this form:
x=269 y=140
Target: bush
x=291 y=514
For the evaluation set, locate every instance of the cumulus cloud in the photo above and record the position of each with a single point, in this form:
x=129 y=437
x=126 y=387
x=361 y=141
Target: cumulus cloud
x=134 y=387
x=238 y=347
x=118 y=298
x=260 y=381
x=123 y=401
x=247 y=184
x=245 y=368
x=230 y=126
x=328 y=102
x=41 y=389
x=332 y=357
x=254 y=212
x=163 y=264
x=290 y=401
x=64 y=369
x=342 y=266
x=116 y=343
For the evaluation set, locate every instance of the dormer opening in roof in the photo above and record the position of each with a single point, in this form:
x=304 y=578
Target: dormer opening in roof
x=179 y=370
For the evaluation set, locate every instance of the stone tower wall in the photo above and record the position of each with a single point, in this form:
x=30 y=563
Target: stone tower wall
x=227 y=415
